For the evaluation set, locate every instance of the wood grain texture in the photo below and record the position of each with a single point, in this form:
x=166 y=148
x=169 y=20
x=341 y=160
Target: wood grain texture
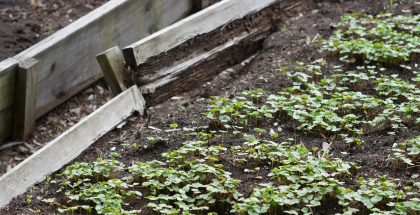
x=69 y=145
x=25 y=99
x=7 y=90
x=202 y=22
x=112 y=65
x=67 y=61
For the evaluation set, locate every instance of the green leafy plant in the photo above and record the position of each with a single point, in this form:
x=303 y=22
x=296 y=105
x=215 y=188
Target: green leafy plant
x=92 y=187
x=385 y=39
x=407 y=152
x=190 y=188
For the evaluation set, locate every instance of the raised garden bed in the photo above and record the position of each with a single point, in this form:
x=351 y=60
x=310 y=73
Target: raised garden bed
x=64 y=62
x=24 y=24
x=148 y=16
x=285 y=148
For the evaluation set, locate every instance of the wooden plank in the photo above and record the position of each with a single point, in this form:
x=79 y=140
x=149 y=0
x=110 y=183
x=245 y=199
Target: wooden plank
x=67 y=61
x=112 y=64
x=25 y=99
x=69 y=145
x=202 y=22
x=7 y=90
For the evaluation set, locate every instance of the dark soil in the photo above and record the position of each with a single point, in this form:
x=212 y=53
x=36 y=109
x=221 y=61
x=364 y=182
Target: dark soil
x=302 y=21
x=23 y=24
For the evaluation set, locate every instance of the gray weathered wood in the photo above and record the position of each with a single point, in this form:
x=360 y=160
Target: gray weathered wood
x=202 y=22
x=69 y=145
x=7 y=90
x=25 y=99
x=67 y=58
x=112 y=64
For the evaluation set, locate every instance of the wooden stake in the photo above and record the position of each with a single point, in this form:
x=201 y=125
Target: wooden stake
x=112 y=65
x=25 y=99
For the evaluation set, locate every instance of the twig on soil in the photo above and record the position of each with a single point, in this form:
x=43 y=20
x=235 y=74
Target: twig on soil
x=154 y=128
x=294 y=5
x=172 y=130
x=10 y=145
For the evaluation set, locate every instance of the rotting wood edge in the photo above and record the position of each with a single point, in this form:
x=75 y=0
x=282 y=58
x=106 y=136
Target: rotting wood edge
x=220 y=14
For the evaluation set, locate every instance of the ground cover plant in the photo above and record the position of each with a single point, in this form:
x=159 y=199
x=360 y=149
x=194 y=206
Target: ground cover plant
x=238 y=160
x=384 y=38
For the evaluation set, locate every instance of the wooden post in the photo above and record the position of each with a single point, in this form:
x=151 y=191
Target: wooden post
x=25 y=99
x=112 y=65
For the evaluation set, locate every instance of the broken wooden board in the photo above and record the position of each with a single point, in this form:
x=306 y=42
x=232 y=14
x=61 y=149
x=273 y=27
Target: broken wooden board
x=202 y=22
x=186 y=63
x=69 y=145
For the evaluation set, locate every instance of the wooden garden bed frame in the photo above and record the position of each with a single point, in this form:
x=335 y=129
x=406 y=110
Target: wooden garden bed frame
x=73 y=142
x=64 y=63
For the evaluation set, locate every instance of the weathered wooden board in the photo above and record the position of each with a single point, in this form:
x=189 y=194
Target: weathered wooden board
x=7 y=90
x=67 y=61
x=69 y=145
x=202 y=22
